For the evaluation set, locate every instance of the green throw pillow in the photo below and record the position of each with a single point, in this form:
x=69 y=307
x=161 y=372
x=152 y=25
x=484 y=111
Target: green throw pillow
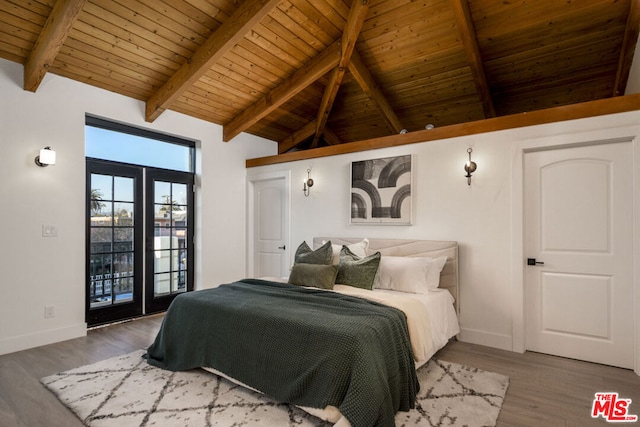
x=322 y=255
x=356 y=271
x=316 y=275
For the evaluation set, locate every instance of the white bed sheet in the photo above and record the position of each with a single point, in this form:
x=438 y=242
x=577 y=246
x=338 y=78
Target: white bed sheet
x=443 y=320
x=431 y=318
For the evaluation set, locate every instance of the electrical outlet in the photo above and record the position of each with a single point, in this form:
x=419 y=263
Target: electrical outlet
x=49 y=311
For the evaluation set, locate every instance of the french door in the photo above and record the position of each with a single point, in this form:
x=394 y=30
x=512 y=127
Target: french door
x=139 y=240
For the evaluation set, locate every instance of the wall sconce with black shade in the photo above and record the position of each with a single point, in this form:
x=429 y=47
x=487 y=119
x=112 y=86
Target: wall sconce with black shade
x=307 y=184
x=470 y=167
x=47 y=157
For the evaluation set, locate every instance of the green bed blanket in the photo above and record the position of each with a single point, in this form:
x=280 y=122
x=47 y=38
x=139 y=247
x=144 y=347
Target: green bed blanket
x=308 y=347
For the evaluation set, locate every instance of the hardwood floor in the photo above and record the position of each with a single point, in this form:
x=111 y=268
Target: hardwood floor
x=543 y=391
x=547 y=390
x=25 y=402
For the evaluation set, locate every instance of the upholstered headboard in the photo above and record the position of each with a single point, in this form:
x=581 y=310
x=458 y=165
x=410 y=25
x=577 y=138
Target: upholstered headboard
x=412 y=248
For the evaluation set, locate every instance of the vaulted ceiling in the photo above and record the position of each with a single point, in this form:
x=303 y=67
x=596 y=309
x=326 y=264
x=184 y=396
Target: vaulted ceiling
x=308 y=73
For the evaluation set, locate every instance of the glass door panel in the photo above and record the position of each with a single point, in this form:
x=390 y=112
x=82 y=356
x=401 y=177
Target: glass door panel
x=114 y=290
x=170 y=255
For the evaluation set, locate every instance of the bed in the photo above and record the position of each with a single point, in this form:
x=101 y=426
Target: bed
x=322 y=363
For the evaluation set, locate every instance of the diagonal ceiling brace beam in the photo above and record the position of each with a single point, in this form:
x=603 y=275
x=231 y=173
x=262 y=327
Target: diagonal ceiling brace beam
x=628 y=48
x=53 y=35
x=309 y=73
x=368 y=84
x=217 y=45
x=355 y=20
x=471 y=48
x=297 y=137
x=329 y=96
x=330 y=137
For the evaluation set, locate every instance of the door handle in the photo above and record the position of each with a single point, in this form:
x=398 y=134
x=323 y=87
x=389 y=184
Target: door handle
x=532 y=261
x=283 y=247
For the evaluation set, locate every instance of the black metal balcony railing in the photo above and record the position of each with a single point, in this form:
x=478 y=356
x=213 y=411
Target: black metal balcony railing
x=108 y=287
x=118 y=287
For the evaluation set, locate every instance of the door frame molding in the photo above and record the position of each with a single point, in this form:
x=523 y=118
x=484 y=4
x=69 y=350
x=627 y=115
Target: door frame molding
x=518 y=151
x=252 y=179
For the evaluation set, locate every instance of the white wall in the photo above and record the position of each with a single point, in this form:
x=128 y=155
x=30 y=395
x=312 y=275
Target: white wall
x=480 y=217
x=37 y=271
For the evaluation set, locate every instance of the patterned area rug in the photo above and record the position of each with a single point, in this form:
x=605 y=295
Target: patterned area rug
x=126 y=391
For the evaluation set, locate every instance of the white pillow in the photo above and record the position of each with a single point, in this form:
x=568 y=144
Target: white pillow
x=359 y=248
x=433 y=278
x=417 y=275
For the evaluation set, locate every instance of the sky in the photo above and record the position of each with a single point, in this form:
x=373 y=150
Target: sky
x=121 y=147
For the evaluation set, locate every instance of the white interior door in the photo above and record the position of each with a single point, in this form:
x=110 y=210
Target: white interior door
x=578 y=223
x=270 y=228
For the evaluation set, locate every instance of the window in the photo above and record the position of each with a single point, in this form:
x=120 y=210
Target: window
x=116 y=142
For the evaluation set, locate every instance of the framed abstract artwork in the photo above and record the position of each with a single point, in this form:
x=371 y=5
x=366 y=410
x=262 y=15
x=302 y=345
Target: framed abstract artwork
x=381 y=191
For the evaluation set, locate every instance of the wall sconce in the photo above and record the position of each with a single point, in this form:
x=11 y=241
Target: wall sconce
x=470 y=167
x=307 y=184
x=47 y=157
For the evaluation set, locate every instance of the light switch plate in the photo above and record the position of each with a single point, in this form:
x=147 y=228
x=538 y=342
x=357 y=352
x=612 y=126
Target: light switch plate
x=49 y=311
x=49 y=230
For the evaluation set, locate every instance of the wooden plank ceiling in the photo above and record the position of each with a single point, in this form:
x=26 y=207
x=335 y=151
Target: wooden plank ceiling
x=309 y=73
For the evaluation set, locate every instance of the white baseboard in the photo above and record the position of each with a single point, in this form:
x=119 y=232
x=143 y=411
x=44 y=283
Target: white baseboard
x=473 y=336
x=50 y=336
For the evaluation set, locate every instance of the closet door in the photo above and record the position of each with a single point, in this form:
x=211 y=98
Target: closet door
x=579 y=244
x=270 y=228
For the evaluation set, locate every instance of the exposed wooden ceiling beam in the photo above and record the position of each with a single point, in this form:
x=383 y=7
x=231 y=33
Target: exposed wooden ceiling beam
x=330 y=137
x=368 y=84
x=317 y=127
x=250 y=13
x=302 y=134
x=356 y=18
x=600 y=107
x=330 y=93
x=297 y=137
x=309 y=73
x=51 y=38
x=470 y=43
x=628 y=48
